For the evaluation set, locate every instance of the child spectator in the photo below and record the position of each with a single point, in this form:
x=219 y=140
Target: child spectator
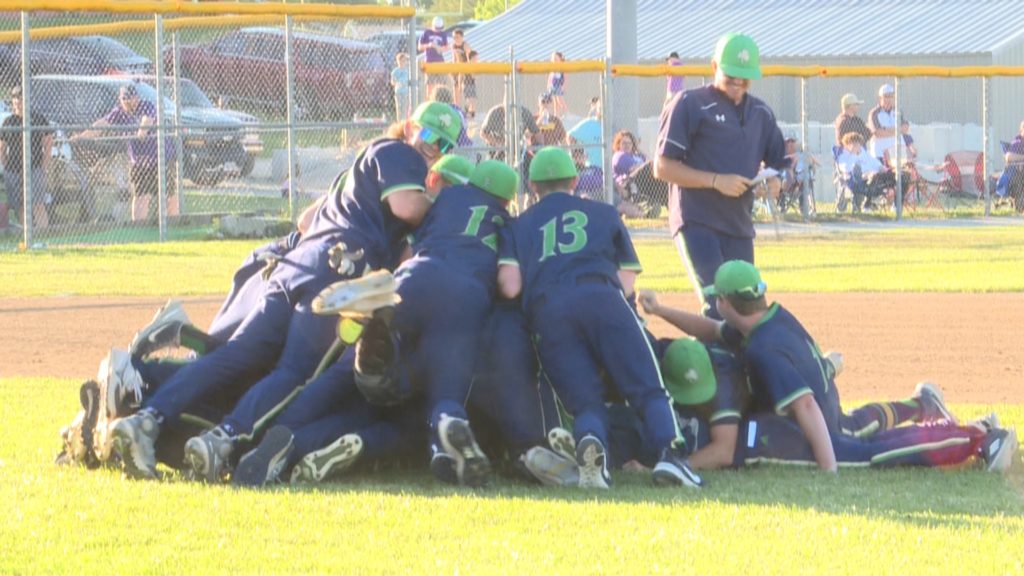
x=400 y=83
x=674 y=84
x=469 y=88
x=556 y=86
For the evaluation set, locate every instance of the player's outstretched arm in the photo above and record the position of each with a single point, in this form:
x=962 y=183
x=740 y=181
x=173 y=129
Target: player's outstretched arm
x=719 y=453
x=808 y=414
x=700 y=327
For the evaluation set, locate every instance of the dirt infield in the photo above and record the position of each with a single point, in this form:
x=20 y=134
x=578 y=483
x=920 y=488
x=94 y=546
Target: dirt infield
x=970 y=344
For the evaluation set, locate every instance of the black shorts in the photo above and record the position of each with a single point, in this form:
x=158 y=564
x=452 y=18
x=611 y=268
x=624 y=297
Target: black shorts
x=143 y=175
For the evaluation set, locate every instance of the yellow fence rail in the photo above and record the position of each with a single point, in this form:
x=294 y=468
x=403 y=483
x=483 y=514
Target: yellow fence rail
x=661 y=70
x=188 y=7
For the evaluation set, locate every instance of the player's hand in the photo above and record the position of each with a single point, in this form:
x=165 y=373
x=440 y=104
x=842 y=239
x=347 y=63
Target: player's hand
x=648 y=301
x=836 y=358
x=732 y=185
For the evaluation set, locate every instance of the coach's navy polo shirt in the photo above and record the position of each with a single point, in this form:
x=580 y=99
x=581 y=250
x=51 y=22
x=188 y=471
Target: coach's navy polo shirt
x=704 y=129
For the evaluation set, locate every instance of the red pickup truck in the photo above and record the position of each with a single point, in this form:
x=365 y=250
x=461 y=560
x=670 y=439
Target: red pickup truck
x=335 y=78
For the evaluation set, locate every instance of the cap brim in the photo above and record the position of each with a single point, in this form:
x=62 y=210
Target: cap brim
x=710 y=291
x=693 y=394
x=737 y=72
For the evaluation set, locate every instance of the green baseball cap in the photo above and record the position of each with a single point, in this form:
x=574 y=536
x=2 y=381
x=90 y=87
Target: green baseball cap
x=550 y=163
x=455 y=169
x=496 y=178
x=737 y=278
x=687 y=371
x=441 y=120
x=738 y=56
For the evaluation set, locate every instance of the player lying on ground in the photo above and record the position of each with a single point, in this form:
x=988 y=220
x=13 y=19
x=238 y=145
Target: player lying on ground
x=795 y=414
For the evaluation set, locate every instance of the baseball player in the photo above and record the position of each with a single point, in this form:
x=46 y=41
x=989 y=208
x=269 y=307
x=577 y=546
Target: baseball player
x=567 y=257
x=712 y=143
x=796 y=402
x=368 y=218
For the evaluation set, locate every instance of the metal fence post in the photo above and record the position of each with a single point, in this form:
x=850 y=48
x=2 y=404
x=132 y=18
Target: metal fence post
x=289 y=70
x=179 y=148
x=986 y=143
x=414 y=69
x=27 y=202
x=803 y=110
x=898 y=127
x=161 y=129
x=606 y=131
x=513 y=140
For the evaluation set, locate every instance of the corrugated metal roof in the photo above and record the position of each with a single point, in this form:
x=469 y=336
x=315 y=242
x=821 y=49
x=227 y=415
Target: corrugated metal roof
x=783 y=29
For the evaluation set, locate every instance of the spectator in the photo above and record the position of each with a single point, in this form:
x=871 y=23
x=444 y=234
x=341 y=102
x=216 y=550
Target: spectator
x=588 y=133
x=444 y=95
x=595 y=108
x=556 y=87
x=400 y=83
x=551 y=131
x=133 y=113
x=858 y=167
x=1012 y=177
x=493 y=128
x=432 y=43
x=882 y=121
x=848 y=120
x=627 y=155
x=674 y=84
x=12 y=155
x=469 y=88
x=460 y=55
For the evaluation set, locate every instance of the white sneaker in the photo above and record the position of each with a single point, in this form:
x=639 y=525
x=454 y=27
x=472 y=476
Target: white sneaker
x=551 y=468
x=121 y=385
x=330 y=461
x=562 y=442
x=164 y=331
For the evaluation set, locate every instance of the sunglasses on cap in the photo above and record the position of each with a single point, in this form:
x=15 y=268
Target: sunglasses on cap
x=749 y=292
x=434 y=137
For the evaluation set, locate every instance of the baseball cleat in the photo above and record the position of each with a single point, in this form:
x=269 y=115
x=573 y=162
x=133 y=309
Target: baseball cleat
x=551 y=468
x=121 y=385
x=264 y=463
x=134 y=440
x=77 y=437
x=933 y=408
x=471 y=465
x=999 y=448
x=562 y=442
x=442 y=466
x=361 y=295
x=593 y=463
x=164 y=331
x=674 y=470
x=207 y=454
x=329 y=462
x=986 y=423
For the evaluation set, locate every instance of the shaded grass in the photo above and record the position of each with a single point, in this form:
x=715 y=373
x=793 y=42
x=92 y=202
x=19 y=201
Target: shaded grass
x=977 y=259
x=760 y=520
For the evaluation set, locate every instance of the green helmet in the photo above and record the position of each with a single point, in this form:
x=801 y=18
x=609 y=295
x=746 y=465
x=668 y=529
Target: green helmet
x=738 y=56
x=455 y=169
x=737 y=278
x=687 y=371
x=550 y=163
x=442 y=120
x=496 y=178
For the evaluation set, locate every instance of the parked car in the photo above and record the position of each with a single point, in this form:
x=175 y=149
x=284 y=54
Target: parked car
x=77 y=55
x=334 y=77
x=391 y=43
x=211 y=140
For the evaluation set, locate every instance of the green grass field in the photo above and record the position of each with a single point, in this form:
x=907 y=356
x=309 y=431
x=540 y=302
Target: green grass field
x=765 y=520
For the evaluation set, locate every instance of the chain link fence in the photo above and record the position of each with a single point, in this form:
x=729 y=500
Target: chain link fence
x=149 y=128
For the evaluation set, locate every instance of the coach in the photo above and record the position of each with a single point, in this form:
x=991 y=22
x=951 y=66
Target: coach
x=710 y=147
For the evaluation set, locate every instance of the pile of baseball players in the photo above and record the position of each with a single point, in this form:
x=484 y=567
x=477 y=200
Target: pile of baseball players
x=413 y=321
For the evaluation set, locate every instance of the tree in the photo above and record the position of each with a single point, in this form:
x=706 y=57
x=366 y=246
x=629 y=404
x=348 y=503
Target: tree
x=487 y=9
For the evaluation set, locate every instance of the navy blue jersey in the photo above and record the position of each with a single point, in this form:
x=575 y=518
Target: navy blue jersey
x=358 y=214
x=562 y=240
x=784 y=363
x=461 y=229
x=704 y=129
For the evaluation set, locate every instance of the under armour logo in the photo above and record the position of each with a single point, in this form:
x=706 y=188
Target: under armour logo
x=720 y=117
x=445 y=120
x=743 y=56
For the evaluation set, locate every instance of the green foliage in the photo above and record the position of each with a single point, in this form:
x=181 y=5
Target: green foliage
x=764 y=520
x=487 y=9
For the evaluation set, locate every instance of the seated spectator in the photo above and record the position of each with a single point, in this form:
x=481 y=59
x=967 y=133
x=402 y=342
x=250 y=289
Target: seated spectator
x=627 y=155
x=551 y=131
x=857 y=166
x=848 y=119
x=588 y=133
x=1013 y=155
